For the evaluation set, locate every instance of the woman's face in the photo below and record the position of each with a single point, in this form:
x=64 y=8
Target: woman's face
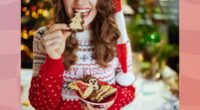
x=86 y=7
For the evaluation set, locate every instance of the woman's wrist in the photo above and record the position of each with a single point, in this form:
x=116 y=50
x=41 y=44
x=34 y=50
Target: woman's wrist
x=54 y=57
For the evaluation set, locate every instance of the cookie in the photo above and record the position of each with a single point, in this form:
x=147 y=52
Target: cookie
x=108 y=93
x=92 y=80
x=90 y=89
x=76 y=23
x=84 y=89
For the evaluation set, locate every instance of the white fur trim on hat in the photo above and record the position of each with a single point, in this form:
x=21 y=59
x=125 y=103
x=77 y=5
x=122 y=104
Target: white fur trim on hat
x=125 y=79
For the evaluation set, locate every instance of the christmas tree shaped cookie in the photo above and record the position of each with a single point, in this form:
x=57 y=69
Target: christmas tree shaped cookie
x=77 y=22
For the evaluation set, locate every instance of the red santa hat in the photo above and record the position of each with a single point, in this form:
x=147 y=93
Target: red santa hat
x=122 y=41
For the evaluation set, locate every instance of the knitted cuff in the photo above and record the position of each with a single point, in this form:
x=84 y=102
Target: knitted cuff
x=54 y=66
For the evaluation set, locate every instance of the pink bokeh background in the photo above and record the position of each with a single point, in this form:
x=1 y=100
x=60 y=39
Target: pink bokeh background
x=10 y=55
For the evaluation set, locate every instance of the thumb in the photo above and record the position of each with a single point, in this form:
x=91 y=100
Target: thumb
x=66 y=34
x=89 y=107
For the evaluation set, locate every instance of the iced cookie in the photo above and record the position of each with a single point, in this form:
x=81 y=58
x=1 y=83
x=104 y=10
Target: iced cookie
x=91 y=89
x=84 y=89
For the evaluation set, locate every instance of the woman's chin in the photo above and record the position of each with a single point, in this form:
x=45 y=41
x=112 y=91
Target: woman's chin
x=86 y=24
x=86 y=27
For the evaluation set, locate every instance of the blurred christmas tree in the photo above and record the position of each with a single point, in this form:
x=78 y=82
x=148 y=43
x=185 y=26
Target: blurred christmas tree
x=34 y=14
x=153 y=30
x=154 y=33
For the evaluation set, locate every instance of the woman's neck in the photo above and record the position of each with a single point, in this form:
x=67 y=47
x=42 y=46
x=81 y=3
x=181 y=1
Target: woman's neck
x=86 y=34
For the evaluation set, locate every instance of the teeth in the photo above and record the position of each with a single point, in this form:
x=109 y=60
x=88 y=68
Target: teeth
x=82 y=10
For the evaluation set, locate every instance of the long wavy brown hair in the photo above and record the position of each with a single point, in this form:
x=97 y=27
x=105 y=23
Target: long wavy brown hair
x=104 y=33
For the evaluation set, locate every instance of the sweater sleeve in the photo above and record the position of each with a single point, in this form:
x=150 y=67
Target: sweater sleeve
x=126 y=79
x=125 y=95
x=39 y=54
x=45 y=90
x=46 y=84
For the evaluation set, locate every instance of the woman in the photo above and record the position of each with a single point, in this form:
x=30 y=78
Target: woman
x=61 y=56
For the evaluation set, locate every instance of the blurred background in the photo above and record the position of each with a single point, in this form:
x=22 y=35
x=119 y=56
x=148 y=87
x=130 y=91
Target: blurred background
x=153 y=28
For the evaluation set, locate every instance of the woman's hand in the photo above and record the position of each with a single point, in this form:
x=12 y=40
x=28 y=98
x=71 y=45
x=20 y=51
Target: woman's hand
x=90 y=107
x=54 y=40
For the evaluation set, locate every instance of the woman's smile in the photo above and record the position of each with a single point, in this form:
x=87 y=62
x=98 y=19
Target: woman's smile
x=84 y=11
x=86 y=7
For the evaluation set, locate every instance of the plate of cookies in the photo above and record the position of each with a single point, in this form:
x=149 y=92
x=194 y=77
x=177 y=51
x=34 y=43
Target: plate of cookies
x=94 y=92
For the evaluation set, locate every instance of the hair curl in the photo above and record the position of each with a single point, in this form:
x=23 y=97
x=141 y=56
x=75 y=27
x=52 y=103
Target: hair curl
x=104 y=33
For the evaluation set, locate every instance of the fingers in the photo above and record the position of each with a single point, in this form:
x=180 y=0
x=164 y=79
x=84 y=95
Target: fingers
x=66 y=34
x=52 y=35
x=84 y=107
x=90 y=107
x=57 y=30
x=53 y=40
x=56 y=27
x=53 y=46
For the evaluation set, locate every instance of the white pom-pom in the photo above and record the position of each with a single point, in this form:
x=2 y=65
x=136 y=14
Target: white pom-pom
x=125 y=79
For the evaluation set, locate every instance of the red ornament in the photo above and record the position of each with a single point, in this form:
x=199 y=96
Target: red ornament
x=33 y=8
